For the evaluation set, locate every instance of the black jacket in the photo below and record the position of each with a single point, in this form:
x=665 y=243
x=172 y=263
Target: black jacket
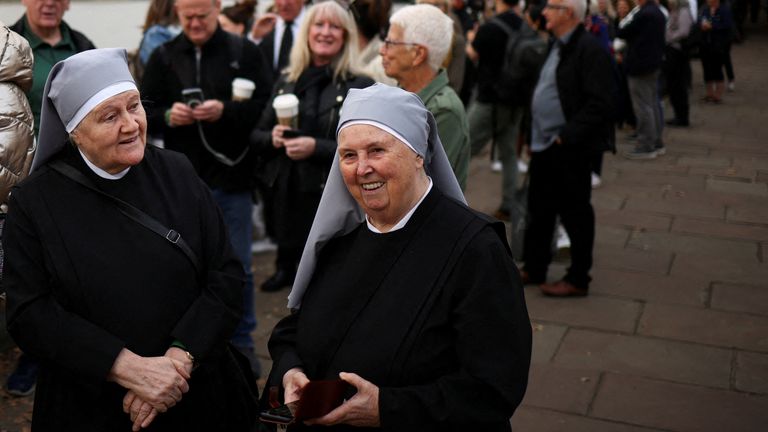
x=587 y=92
x=320 y=100
x=171 y=68
x=81 y=42
x=645 y=40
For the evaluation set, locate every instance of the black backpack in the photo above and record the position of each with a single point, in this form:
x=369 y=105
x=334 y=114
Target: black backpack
x=524 y=55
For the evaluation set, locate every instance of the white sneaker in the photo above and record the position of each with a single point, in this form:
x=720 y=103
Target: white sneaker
x=596 y=182
x=731 y=86
x=263 y=245
x=496 y=166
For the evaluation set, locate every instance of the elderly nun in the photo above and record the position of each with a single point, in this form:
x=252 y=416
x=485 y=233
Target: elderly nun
x=120 y=277
x=403 y=291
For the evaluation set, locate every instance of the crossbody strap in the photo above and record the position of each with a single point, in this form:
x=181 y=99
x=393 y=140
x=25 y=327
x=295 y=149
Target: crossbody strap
x=130 y=211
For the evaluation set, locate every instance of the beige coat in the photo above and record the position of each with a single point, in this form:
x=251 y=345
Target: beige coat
x=16 y=121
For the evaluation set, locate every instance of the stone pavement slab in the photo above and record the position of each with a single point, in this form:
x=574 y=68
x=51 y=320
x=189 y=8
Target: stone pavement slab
x=719 y=269
x=677 y=206
x=593 y=312
x=634 y=260
x=678 y=407
x=633 y=219
x=737 y=187
x=529 y=419
x=561 y=388
x=650 y=287
x=546 y=340
x=751 y=299
x=648 y=357
x=720 y=229
x=751 y=372
x=705 y=326
x=694 y=245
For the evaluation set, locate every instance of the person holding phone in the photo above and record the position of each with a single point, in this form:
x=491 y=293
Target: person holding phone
x=403 y=291
x=296 y=161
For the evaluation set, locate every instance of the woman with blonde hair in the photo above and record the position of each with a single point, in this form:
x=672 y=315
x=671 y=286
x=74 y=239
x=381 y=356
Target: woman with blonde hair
x=296 y=161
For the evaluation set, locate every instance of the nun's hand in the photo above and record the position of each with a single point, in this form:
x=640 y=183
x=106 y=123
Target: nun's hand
x=293 y=382
x=142 y=414
x=181 y=115
x=300 y=148
x=362 y=410
x=209 y=111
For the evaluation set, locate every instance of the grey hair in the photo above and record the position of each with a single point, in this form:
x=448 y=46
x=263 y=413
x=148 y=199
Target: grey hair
x=301 y=57
x=594 y=8
x=579 y=8
x=428 y=26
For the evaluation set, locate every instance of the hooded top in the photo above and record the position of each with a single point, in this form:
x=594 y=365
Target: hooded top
x=338 y=213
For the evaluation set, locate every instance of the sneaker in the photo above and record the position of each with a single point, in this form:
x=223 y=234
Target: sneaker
x=22 y=381
x=660 y=151
x=263 y=245
x=496 y=166
x=596 y=182
x=637 y=154
x=731 y=86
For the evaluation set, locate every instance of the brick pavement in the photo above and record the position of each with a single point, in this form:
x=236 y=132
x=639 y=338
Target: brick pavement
x=674 y=336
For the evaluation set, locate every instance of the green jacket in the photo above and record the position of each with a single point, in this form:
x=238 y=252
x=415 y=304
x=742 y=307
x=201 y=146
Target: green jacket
x=452 y=125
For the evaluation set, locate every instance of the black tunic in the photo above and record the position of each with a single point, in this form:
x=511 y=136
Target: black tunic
x=433 y=314
x=84 y=281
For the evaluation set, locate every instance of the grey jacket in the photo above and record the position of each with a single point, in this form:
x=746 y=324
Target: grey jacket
x=16 y=122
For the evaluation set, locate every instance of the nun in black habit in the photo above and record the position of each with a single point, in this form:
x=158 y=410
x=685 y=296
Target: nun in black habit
x=403 y=291
x=129 y=319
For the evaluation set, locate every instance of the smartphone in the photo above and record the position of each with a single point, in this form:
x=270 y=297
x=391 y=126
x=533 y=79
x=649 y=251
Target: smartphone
x=317 y=399
x=291 y=133
x=192 y=96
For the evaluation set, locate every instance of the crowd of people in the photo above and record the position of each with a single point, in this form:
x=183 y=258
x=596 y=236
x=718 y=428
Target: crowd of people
x=352 y=124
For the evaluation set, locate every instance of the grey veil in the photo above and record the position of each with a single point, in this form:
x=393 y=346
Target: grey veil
x=338 y=213
x=74 y=87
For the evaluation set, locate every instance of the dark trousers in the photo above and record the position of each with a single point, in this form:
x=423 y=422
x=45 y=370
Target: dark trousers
x=560 y=186
x=677 y=70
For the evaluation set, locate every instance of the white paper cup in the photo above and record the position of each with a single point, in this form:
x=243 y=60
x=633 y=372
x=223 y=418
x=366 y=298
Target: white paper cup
x=287 y=109
x=242 y=89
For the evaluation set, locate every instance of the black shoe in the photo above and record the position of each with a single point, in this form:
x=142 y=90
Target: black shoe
x=281 y=279
x=22 y=380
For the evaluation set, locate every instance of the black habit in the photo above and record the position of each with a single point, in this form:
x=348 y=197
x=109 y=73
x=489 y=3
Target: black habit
x=433 y=314
x=85 y=281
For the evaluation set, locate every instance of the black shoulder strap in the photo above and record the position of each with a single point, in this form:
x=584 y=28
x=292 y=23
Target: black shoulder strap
x=130 y=211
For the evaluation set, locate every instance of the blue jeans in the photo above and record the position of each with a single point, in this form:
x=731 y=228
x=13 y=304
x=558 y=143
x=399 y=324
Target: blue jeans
x=236 y=209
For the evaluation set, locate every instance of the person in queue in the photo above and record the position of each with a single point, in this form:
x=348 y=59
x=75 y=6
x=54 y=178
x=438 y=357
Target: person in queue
x=397 y=261
x=295 y=168
x=128 y=323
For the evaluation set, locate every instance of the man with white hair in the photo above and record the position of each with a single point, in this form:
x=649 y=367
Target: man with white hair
x=571 y=111
x=418 y=40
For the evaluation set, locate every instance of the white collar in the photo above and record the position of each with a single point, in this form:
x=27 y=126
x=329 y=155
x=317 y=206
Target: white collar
x=100 y=172
x=401 y=223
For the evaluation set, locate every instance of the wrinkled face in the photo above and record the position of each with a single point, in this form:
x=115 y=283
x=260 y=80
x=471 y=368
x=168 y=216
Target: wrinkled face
x=288 y=9
x=326 y=39
x=558 y=14
x=380 y=172
x=198 y=18
x=45 y=14
x=112 y=136
x=230 y=26
x=397 y=55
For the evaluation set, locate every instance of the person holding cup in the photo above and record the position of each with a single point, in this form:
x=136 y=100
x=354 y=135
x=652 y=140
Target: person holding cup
x=297 y=154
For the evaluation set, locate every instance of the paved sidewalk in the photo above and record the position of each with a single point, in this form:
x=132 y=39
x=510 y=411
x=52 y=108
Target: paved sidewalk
x=674 y=336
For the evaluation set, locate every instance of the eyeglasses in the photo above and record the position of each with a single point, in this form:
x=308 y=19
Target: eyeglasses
x=556 y=7
x=388 y=43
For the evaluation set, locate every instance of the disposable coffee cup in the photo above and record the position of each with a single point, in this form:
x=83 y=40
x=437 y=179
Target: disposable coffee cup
x=287 y=109
x=242 y=89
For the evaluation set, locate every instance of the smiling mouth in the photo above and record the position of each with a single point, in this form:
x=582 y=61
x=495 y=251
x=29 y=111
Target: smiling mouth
x=372 y=186
x=130 y=140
